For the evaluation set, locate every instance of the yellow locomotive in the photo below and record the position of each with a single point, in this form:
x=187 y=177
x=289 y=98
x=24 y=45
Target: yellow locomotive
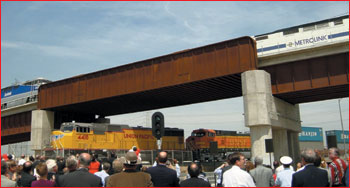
x=105 y=136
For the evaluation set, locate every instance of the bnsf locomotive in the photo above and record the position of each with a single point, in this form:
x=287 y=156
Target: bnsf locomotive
x=227 y=141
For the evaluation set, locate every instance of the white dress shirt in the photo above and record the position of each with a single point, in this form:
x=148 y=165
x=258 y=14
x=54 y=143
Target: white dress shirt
x=21 y=162
x=102 y=174
x=178 y=171
x=236 y=177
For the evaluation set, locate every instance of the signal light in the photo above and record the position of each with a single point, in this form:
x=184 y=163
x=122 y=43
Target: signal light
x=158 y=125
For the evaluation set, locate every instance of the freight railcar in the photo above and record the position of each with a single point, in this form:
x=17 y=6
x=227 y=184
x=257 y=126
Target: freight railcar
x=105 y=136
x=227 y=142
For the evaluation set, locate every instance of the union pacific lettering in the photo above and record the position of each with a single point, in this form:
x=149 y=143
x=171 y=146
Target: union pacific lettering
x=141 y=136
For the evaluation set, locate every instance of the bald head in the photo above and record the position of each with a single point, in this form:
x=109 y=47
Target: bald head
x=162 y=157
x=27 y=166
x=193 y=170
x=84 y=160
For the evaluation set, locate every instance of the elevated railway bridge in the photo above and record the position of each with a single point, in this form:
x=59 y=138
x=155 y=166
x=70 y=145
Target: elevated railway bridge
x=273 y=79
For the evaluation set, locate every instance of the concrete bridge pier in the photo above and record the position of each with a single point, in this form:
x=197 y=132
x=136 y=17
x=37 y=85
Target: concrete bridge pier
x=42 y=125
x=269 y=118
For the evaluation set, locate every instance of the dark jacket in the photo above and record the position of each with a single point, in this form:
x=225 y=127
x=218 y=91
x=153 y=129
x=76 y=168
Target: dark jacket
x=195 y=182
x=52 y=175
x=25 y=180
x=79 y=178
x=163 y=176
x=310 y=176
x=129 y=178
x=226 y=168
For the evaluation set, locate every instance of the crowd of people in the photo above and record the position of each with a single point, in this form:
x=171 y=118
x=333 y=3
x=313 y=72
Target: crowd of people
x=87 y=170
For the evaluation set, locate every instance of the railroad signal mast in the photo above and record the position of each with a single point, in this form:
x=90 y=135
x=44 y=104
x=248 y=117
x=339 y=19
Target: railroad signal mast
x=158 y=127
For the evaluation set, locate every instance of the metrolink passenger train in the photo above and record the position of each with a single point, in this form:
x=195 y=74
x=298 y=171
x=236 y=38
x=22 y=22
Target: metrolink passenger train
x=19 y=94
x=310 y=35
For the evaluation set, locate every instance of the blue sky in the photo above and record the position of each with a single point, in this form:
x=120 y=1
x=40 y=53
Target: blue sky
x=56 y=40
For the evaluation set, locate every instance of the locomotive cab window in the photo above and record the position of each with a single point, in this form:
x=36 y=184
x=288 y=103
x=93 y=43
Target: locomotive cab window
x=211 y=134
x=200 y=134
x=67 y=128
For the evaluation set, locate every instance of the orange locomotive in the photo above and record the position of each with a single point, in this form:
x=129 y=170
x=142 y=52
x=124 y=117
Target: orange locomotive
x=227 y=141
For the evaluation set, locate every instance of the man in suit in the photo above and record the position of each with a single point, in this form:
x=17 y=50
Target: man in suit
x=81 y=177
x=194 y=181
x=262 y=175
x=26 y=178
x=5 y=181
x=161 y=175
x=310 y=176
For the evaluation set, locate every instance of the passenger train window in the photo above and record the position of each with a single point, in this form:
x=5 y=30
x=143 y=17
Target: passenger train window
x=261 y=38
x=290 y=31
x=322 y=25
x=338 y=22
x=309 y=28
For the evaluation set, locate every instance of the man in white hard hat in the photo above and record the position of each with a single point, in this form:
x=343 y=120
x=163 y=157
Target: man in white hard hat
x=284 y=177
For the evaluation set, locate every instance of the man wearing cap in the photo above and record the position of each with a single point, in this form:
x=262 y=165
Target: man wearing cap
x=130 y=177
x=284 y=177
x=310 y=176
x=280 y=168
x=161 y=175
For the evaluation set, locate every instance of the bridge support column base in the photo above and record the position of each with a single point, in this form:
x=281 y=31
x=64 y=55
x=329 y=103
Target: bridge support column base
x=269 y=118
x=42 y=125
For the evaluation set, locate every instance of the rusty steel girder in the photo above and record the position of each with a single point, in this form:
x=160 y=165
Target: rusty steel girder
x=196 y=75
x=311 y=80
x=16 y=124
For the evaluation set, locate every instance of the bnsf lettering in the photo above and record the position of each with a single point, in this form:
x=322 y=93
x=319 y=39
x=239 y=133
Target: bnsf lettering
x=142 y=136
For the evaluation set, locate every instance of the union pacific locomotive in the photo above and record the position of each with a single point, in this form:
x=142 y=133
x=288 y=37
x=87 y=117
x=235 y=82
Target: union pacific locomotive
x=105 y=136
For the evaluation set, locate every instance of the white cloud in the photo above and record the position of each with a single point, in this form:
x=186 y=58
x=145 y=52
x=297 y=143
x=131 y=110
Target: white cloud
x=51 y=50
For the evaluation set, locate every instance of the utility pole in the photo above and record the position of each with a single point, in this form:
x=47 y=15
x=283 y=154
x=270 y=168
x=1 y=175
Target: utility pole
x=342 y=126
x=148 y=115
